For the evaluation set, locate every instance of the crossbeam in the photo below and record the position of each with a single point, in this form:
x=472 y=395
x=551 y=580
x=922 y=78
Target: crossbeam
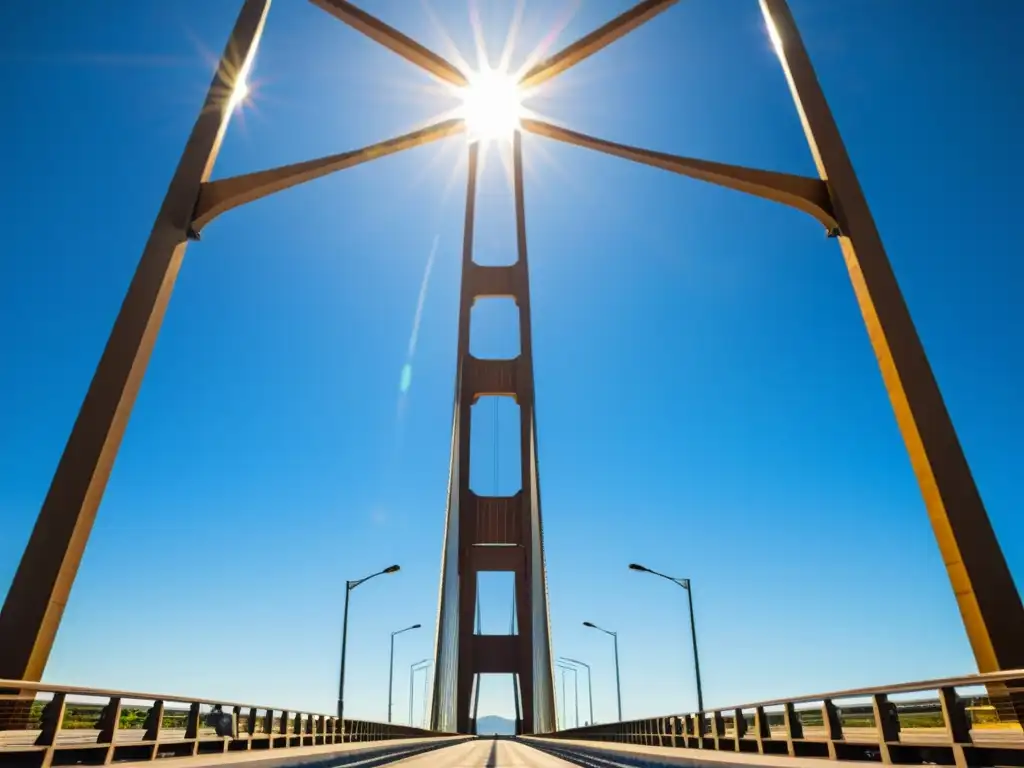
x=805 y=194
x=220 y=196
x=393 y=40
x=597 y=40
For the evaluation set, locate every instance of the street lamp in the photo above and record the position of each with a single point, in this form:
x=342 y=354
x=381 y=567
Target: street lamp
x=618 y=684
x=391 y=666
x=413 y=668
x=349 y=586
x=685 y=584
x=576 y=691
x=590 y=689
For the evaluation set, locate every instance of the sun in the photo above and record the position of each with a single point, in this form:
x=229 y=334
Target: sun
x=491 y=105
x=238 y=96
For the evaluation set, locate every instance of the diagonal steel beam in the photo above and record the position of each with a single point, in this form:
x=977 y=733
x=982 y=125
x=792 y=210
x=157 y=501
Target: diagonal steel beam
x=590 y=44
x=216 y=197
x=805 y=194
x=394 y=40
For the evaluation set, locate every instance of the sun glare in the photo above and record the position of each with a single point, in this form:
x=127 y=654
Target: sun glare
x=239 y=94
x=491 y=105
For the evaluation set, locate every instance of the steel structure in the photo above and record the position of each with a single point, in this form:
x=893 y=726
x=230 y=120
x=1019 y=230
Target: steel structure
x=987 y=597
x=488 y=533
x=940 y=724
x=70 y=725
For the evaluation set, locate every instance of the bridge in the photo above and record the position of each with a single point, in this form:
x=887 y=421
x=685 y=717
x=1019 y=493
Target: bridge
x=972 y=720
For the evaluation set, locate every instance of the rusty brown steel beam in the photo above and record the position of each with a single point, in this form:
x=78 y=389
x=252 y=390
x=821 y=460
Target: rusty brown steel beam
x=986 y=595
x=32 y=611
x=805 y=194
x=217 y=197
x=590 y=44
x=394 y=40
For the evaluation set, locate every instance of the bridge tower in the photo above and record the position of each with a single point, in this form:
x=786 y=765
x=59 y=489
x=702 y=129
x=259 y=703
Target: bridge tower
x=489 y=533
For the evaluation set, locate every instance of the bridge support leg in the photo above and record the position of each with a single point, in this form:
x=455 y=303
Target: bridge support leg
x=494 y=533
x=989 y=602
x=34 y=605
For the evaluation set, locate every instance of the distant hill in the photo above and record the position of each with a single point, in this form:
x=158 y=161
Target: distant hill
x=494 y=725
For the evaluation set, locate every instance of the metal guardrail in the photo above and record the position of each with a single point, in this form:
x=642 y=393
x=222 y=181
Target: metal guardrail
x=43 y=724
x=947 y=729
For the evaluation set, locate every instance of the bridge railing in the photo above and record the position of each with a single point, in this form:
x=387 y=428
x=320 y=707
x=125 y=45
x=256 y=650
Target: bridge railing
x=39 y=721
x=972 y=720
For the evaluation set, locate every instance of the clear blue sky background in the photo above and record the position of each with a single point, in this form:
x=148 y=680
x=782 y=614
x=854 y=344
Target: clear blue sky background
x=708 y=401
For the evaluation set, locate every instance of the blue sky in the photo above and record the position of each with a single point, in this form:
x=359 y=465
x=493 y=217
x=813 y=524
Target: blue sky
x=708 y=402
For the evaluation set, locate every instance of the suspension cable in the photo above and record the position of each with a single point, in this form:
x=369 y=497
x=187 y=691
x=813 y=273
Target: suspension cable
x=495 y=446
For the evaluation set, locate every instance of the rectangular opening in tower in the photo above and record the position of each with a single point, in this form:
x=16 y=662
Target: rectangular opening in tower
x=495 y=456
x=496 y=704
x=494 y=329
x=495 y=603
x=494 y=232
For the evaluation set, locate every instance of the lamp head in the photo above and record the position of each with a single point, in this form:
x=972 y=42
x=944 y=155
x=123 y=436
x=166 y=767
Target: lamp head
x=589 y=624
x=638 y=567
x=415 y=626
x=392 y=569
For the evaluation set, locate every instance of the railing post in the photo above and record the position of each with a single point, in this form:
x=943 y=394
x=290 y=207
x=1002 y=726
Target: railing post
x=53 y=717
x=192 y=726
x=334 y=730
x=718 y=728
x=955 y=718
x=282 y=727
x=762 y=729
x=794 y=728
x=154 y=722
x=110 y=720
x=236 y=714
x=700 y=728
x=739 y=723
x=250 y=725
x=268 y=727
x=833 y=726
x=887 y=723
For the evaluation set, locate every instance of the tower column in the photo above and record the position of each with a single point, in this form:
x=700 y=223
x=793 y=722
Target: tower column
x=494 y=533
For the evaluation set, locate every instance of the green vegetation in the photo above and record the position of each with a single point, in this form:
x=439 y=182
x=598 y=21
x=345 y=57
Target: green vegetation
x=87 y=716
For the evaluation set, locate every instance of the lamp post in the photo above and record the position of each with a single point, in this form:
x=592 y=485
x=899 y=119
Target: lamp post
x=575 y=688
x=349 y=586
x=618 y=684
x=590 y=689
x=427 y=679
x=421 y=664
x=685 y=584
x=391 y=665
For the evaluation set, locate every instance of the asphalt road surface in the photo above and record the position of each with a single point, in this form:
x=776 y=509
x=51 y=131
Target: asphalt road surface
x=485 y=753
